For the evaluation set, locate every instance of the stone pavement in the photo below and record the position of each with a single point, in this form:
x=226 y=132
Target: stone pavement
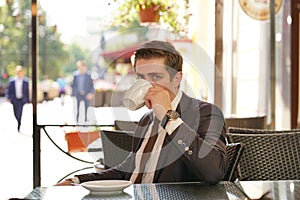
x=16 y=148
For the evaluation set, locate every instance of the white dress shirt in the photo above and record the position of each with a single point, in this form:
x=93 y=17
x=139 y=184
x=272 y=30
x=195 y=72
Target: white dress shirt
x=18 y=86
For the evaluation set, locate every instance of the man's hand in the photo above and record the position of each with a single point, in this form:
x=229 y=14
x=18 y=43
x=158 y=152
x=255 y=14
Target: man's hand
x=159 y=99
x=89 y=96
x=66 y=182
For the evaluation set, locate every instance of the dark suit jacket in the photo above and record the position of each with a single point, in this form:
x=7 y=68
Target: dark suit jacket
x=195 y=151
x=88 y=86
x=11 y=91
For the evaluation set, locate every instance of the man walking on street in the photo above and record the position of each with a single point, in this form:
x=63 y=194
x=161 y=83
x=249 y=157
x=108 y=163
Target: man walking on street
x=18 y=93
x=82 y=88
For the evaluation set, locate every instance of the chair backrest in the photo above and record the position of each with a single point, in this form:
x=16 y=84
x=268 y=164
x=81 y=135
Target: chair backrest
x=269 y=156
x=116 y=146
x=259 y=131
x=125 y=125
x=234 y=153
x=258 y=122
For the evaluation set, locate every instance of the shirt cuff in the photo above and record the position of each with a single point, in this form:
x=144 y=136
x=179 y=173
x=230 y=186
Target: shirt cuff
x=172 y=125
x=75 y=180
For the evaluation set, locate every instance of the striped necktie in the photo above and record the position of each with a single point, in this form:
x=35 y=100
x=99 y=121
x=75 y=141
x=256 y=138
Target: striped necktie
x=147 y=150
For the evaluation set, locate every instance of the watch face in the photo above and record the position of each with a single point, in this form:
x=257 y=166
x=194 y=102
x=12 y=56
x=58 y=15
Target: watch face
x=172 y=114
x=259 y=9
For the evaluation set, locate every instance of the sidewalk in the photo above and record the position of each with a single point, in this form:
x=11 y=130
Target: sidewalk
x=16 y=148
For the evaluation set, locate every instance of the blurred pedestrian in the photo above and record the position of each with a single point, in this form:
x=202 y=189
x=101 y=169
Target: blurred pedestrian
x=82 y=88
x=62 y=83
x=18 y=93
x=45 y=85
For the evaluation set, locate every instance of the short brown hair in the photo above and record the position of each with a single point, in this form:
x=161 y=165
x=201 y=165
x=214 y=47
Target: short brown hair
x=161 y=49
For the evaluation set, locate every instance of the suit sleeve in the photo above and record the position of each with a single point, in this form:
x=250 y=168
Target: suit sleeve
x=91 y=85
x=73 y=86
x=26 y=92
x=122 y=171
x=202 y=148
x=8 y=91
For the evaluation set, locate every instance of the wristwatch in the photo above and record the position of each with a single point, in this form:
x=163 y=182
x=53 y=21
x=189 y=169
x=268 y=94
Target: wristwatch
x=170 y=115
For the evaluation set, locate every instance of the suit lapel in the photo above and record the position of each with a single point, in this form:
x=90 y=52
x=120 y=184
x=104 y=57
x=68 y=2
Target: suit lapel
x=23 y=87
x=190 y=112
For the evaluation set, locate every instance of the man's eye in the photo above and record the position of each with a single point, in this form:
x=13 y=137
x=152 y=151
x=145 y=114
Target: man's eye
x=140 y=76
x=155 y=77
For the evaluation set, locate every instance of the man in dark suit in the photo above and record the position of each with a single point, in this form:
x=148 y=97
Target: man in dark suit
x=18 y=93
x=189 y=137
x=82 y=88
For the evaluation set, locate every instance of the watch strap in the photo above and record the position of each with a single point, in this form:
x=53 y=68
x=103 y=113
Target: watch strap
x=170 y=115
x=164 y=121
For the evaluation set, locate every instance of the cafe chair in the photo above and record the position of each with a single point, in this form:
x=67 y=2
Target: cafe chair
x=234 y=153
x=125 y=125
x=258 y=122
x=268 y=155
x=116 y=146
x=259 y=131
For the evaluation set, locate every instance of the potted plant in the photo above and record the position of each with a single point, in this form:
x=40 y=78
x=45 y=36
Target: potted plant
x=164 y=12
x=78 y=141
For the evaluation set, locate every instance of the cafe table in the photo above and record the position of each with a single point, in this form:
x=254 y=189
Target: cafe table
x=289 y=190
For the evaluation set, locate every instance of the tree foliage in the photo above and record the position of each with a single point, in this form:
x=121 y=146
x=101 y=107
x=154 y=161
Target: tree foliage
x=78 y=53
x=16 y=38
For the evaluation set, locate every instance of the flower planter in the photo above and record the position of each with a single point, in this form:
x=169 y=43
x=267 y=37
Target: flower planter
x=149 y=14
x=79 y=141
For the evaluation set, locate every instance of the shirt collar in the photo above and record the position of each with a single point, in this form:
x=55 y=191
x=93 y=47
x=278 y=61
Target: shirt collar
x=18 y=79
x=176 y=100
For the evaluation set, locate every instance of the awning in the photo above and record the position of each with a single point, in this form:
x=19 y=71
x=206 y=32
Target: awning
x=125 y=53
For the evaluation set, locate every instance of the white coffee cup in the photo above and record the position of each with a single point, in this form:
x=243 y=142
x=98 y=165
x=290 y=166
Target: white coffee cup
x=134 y=96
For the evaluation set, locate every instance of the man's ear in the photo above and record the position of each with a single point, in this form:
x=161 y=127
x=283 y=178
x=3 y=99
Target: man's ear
x=177 y=78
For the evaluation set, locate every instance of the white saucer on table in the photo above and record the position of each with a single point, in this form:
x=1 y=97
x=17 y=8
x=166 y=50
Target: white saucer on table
x=106 y=186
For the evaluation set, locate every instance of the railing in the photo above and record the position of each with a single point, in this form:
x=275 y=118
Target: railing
x=68 y=153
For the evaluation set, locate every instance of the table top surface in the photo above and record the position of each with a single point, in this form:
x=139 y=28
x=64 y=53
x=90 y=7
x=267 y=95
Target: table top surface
x=223 y=190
